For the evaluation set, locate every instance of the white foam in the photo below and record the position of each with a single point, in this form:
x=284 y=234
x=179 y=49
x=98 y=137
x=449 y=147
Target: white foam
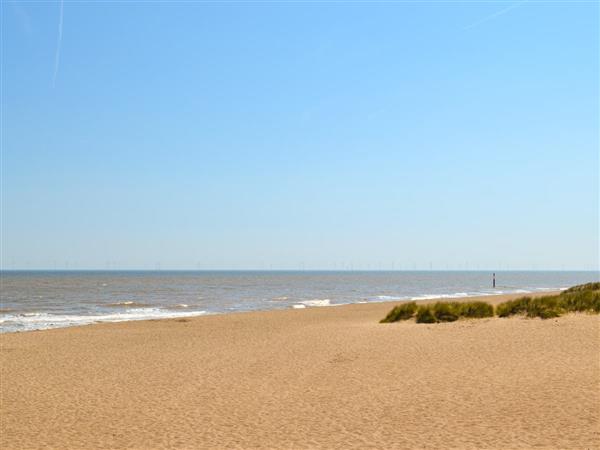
x=434 y=296
x=298 y=306
x=128 y=303
x=389 y=297
x=42 y=321
x=317 y=302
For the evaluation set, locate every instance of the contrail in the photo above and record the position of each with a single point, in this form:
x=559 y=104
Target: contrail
x=496 y=14
x=57 y=56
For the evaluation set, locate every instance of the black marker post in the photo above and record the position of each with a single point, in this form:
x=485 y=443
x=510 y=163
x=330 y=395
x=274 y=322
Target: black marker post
x=494 y=280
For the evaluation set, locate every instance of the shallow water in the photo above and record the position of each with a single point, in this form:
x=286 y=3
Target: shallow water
x=31 y=300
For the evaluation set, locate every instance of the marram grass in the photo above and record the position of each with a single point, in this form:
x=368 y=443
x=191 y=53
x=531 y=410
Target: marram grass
x=476 y=310
x=425 y=315
x=581 y=298
x=401 y=312
x=439 y=312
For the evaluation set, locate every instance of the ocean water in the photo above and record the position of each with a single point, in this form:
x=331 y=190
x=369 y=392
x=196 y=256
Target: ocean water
x=32 y=300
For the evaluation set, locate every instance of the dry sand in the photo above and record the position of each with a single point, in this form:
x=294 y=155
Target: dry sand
x=314 y=378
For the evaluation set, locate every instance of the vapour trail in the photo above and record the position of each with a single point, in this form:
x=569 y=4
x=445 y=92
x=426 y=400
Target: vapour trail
x=496 y=14
x=58 y=44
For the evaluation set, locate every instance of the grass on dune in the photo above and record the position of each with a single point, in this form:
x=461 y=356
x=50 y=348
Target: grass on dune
x=445 y=311
x=476 y=310
x=425 y=315
x=584 y=287
x=439 y=312
x=452 y=311
x=544 y=307
x=512 y=307
x=401 y=312
x=581 y=298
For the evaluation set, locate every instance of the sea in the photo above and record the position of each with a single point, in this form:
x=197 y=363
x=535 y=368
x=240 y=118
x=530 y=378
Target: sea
x=36 y=300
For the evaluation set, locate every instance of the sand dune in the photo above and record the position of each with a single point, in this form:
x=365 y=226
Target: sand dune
x=311 y=378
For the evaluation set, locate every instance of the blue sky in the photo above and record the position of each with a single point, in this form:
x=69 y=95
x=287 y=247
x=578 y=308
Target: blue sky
x=287 y=135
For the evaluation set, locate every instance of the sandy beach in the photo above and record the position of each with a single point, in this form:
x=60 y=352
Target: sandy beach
x=314 y=378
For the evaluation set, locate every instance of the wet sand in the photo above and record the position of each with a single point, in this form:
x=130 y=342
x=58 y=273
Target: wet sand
x=314 y=378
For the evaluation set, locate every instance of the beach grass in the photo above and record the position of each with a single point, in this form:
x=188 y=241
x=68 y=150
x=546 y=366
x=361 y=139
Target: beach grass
x=513 y=307
x=595 y=286
x=452 y=311
x=476 y=310
x=580 y=298
x=401 y=312
x=425 y=315
x=446 y=311
x=438 y=312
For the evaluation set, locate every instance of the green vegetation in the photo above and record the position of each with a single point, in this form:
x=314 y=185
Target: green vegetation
x=439 y=312
x=581 y=298
x=579 y=301
x=402 y=312
x=476 y=310
x=425 y=315
x=512 y=307
x=584 y=287
x=544 y=307
x=445 y=312
x=452 y=311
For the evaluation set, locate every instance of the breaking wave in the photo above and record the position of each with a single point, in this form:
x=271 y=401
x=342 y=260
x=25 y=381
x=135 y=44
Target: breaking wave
x=43 y=321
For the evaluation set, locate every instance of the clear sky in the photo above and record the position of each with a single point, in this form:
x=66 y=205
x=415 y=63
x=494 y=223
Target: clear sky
x=306 y=134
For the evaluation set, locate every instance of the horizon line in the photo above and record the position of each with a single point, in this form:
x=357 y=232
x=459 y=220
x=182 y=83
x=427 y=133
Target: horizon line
x=491 y=270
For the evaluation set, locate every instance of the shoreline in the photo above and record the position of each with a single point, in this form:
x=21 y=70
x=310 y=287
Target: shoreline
x=418 y=300
x=316 y=378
